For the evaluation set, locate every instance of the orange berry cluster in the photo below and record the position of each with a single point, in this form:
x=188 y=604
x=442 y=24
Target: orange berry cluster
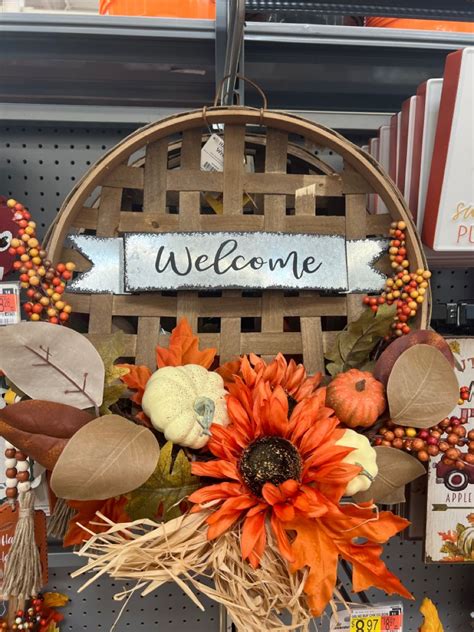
x=44 y=283
x=407 y=290
x=447 y=437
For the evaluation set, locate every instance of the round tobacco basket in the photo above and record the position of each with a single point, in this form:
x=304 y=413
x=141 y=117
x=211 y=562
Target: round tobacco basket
x=289 y=191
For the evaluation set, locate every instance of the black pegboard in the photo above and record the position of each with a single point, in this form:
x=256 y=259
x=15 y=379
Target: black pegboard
x=39 y=165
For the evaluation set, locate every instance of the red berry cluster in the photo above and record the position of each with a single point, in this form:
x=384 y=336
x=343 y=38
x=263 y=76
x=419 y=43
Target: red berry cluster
x=407 y=290
x=464 y=394
x=448 y=437
x=33 y=618
x=44 y=283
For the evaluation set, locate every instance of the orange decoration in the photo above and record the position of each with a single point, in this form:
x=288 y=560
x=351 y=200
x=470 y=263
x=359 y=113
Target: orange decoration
x=319 y=544
x=136 y=379
x=302 y=493
x=229 y=370
x=113 y=508
x=184 y=349
x=357 y=398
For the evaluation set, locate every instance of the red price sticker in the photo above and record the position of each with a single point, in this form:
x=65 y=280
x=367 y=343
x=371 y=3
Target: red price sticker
x=8 y=303
x=391 y=623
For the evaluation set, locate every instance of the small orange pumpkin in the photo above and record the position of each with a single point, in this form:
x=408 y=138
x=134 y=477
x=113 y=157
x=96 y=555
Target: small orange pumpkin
x=356 y=397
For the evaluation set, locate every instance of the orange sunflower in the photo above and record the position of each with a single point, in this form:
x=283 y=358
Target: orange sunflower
x=289 y=474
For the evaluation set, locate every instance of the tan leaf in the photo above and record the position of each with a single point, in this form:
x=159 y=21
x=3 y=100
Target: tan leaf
x=52 y=363
x=109 y=457
x=422 y=387
x=396 y=469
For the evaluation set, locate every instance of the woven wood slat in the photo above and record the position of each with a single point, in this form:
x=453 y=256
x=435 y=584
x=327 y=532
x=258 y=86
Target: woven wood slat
x=356 y=228
x=275 y=214
x=190 y=218
x=154 y=205
x=100 y=310
x=301 y=222
x=125 y=177
x=271 y=344
x=154 y=180
x=302 y=197
x=233 y=192
x=311 y=328
x=224 y=307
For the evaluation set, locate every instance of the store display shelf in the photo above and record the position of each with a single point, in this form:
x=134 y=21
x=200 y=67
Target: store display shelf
x=455 y=10
x=58 y=557
x=449 y=259
x=58 y=114
x=98 y=25
x=154 y=63
x=277 y=32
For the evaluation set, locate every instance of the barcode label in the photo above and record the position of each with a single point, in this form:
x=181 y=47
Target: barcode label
x=208 y=167
x=212 y=154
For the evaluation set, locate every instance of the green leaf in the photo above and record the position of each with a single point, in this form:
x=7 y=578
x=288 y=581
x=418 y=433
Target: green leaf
x=460 y=528
x=167 y=487
x=354 y=344
x=110 y=352
x=112 y=393
x=450 y=549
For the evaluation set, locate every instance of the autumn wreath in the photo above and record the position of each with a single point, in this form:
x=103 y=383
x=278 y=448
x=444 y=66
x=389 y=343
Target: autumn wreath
x=253 y=475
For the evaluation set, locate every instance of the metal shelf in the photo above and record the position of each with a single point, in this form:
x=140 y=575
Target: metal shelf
x=84 y=60
x=454 y=10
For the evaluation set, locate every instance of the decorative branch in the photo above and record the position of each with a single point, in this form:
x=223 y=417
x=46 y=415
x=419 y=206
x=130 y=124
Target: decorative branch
x=48 y=362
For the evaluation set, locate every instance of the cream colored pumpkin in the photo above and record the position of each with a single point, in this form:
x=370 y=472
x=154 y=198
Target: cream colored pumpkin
x=363 y=455
x=183 y=401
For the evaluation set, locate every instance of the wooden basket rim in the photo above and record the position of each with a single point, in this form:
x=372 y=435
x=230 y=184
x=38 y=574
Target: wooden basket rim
x=180 y=122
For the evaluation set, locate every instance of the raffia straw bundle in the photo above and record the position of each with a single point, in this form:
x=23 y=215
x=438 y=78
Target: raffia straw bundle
x=152 y=554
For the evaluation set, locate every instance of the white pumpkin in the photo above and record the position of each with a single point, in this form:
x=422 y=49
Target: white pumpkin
x=363 y=455
x=183 y=401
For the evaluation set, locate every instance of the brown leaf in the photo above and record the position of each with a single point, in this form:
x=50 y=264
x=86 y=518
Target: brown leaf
x=109 y=457
x=422 y=387
x=396 y=469
x=41 y=429
x=399 y=345
x=52 y=363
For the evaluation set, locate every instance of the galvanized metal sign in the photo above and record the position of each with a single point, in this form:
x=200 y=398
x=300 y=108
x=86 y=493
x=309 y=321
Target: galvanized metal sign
x=147 y=262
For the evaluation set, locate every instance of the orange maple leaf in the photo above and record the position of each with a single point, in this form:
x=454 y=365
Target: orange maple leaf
x=320 y=542
x=136 y=379
x=113 y=508
x=448 y=536
x=184 y=349
x=229 y=370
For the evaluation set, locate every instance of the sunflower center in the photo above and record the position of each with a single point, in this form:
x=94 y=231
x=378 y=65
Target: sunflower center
x=269 y=460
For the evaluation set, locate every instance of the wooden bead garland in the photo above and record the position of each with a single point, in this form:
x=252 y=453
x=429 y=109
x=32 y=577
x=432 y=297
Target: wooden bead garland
x=11 y=471
x=17 y=472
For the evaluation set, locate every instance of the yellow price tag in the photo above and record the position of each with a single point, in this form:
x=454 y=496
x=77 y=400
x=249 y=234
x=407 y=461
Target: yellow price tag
x=366 y=624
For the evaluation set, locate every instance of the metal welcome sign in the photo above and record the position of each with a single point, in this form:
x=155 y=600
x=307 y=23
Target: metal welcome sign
x=148 y=262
